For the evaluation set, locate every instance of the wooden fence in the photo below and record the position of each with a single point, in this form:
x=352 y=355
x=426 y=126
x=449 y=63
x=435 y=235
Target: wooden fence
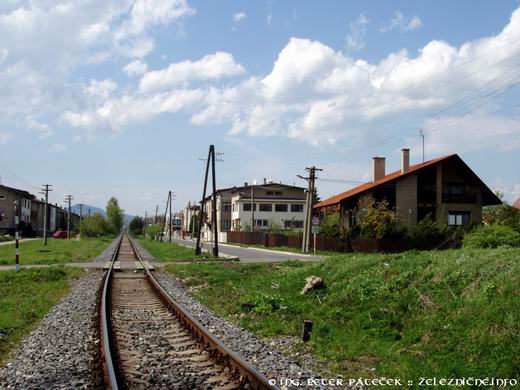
x=339 y=245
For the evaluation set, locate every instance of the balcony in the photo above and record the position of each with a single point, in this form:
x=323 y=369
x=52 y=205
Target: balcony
x=459 y=198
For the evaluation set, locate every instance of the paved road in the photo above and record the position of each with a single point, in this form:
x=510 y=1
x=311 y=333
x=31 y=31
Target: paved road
x=252 y=255
x=22 y=240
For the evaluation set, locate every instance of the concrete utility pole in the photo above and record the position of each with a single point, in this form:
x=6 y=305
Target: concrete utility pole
x=45 y=190
x=68 y=199
x=144 y=223
x=252 y=207
x=156 y=211
x=80 y=216
x=17 y=236
x=214 y=225
x=310 y=203
x=165 y=212
x=170 y=230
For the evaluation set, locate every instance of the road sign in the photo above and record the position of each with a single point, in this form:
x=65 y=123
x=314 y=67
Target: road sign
x=315 y=229
x=315 y=221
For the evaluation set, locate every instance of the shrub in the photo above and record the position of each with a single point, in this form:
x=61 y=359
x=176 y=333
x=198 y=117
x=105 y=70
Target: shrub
x=503 y=214
x=492 y=236
x=94 y=226
x=263 y=303
x=331 y=227
x=380 y=222
x=428 y=229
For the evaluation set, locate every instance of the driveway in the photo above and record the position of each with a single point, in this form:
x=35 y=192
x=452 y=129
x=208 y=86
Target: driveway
x=251 y=255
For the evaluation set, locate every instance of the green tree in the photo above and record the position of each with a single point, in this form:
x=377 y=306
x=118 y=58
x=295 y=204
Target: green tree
x=94 y=226
x=194 y=224
x=114 y=216
x=136 y=226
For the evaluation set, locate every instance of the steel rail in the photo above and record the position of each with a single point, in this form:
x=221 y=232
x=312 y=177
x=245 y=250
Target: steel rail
x=255 y=378
x=108 y=348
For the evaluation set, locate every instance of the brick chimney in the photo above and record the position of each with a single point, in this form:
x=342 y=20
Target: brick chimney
x=405 y=160
x=379 y=168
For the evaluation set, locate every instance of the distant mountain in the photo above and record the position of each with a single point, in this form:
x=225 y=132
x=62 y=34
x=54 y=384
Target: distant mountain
x=97 y=210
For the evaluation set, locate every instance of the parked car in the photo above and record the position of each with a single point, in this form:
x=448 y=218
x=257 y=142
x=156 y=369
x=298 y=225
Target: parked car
x=60 y=234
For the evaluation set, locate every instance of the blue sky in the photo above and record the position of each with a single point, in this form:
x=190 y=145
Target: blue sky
x=103 y=98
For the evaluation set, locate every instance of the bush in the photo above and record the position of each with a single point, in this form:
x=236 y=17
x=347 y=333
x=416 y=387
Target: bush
x=503 y=214
x=94 y=226
x=492 y=236
x=380 y=222
x=428 y=229
x=331 y=227
x=153 y=230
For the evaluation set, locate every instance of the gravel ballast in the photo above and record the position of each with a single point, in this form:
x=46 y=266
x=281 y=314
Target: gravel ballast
x=62 y=352
x=106 y=255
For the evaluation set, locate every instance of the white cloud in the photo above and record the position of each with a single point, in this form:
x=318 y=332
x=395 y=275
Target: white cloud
x=358 y=30
x=43 y=129
x=402 y=23
x=4 y=137
x=57 y=148
x=102 y=89
x=322 y=96
x=210 y=67
x=136 y=68
x=42 y=44
x=239 y=16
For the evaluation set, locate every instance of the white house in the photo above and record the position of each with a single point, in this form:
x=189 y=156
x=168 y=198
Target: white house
x=275 y=205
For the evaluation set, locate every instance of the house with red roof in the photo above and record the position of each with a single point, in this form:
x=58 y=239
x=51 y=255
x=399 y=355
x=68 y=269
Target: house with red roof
x=517 y=204
x=445 y=188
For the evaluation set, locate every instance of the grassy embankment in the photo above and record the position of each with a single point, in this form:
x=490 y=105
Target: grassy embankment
x=166 y=251
x=446 y=314
x=57 y=251
x=25 y=298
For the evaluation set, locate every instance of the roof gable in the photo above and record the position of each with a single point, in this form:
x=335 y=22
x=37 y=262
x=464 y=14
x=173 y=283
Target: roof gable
x=490 y=196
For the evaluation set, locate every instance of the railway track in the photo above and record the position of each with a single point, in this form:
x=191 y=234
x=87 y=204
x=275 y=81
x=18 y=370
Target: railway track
x=149 y=341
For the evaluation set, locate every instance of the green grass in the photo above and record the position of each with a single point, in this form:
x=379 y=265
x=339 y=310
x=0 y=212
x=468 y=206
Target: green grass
x=166 y=251
x=286 y=249
x=25 y=298
x=442 y=313
x=57 y=251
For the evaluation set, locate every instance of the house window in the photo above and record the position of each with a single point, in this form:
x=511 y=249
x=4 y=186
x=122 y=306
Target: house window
x=266 y=207
x=290 y=224
x=278 y=193
x=458 y=218
x=297 y=208
x=2 y=197
x=282 y=207
x=226 y=224
x=269 y=193
x=226 y=207
x=261 y=222
x=247 y=206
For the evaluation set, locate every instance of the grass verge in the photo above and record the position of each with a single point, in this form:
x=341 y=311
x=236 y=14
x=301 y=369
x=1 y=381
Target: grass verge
x=416 y=314
x=57 y=251
x=25 y=298
x=166 y=251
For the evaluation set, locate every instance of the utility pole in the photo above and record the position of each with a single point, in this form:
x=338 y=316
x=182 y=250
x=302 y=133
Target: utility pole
x=156 y=211
x=214 y=225
x=421 y=132
x=252 y=207
x=80 y=217
x=165 y=212
x=17 y=236
x=68 y=200
x=144 y=224
x=170 y=230
x=310 y=203
x=45 y=190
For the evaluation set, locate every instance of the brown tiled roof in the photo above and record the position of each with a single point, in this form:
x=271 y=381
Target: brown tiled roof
x=391 y=177
x=517 y=204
